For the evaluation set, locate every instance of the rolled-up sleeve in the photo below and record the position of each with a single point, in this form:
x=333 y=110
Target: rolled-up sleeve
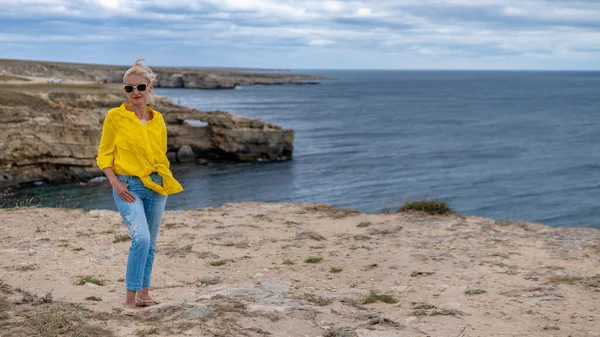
x=106 y=150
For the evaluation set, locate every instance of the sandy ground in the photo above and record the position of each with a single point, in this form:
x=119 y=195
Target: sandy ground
x=241 y=270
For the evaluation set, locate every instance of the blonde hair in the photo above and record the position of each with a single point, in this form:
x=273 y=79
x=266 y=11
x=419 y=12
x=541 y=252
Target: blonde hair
x=144 y=71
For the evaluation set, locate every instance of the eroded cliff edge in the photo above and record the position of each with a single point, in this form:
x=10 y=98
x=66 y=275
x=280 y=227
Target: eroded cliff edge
x=51 y=132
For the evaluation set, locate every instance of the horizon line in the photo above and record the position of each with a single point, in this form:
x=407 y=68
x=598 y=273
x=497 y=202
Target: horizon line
x=317 y=69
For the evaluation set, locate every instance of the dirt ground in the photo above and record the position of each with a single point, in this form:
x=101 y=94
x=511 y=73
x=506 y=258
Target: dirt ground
x=299 y=269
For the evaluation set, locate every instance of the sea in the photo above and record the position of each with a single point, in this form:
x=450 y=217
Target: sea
x=508 y=145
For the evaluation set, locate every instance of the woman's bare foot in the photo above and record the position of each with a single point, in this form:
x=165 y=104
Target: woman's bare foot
x=145 y=302
x=143 y=299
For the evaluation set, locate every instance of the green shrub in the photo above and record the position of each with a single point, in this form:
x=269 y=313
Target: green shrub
x=89 y=279
x=313 y=260
x=373 y=297
x=432 y=207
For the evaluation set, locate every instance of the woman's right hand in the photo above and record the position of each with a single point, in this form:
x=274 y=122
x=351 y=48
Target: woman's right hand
x=122 y=191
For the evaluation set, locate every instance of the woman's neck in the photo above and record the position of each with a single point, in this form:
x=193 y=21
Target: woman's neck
x=140 y=110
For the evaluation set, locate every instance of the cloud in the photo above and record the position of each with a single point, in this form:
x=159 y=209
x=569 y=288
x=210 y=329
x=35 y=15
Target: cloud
x=320 y=42
x=438 y=33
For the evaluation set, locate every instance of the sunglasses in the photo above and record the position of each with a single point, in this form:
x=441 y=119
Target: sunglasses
x=140 y=87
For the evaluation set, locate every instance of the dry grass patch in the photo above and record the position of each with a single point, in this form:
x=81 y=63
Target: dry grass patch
x=361 y=237
x=179 y=251
x=89 y=279
x=93 y=298
x=335 y=270
x=120 y=237
x=240 y=244
x=62 y=319
x=310 y=235
x=364 y=224
x=228 y=306
x=219 y=263
x=25 y=267
x=35 y=300
x=288 y=262
x=314 y=260
x=147 y=331
x=207 y=255
x=4 y=307
x=374 y=297
x=316 y=299
x=475 y=292
x=207 y=281
x=5 y=288
x=513 y=223
x=556 y=280
x=340 y=332
x=386 y=231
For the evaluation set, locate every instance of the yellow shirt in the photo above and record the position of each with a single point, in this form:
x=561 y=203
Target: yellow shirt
x=135 y=149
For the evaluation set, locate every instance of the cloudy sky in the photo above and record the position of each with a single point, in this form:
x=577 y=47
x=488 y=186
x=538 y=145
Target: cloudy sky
x=307 y=34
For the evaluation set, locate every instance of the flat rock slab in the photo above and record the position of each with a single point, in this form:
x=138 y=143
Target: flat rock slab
x=191 y=311
x=275 y=286
x=267 y=298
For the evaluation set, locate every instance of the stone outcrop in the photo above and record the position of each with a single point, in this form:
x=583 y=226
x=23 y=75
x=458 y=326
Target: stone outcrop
x=52 y=134
x=202 y=78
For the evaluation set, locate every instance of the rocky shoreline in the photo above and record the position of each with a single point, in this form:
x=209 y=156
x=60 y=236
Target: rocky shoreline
x=300 y=269
x=200 y=78
x=51 y=132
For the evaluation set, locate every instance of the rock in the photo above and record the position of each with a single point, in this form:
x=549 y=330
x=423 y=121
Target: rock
x=172 y=156
x=97 y=180
x=190 y=311
x=262 y=300
x=202 y=162
x=102 y=256
x=274 y=285
x=545 y=293
x=201 y=312
x=310 y=234
x=186 y=154
x=450 y=306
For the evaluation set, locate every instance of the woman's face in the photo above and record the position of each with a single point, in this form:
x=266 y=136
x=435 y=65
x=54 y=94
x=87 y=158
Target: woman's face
x=137 y=97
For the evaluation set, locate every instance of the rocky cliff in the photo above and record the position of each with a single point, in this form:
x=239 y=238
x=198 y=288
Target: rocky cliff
x=52 y=133
x=167 y=77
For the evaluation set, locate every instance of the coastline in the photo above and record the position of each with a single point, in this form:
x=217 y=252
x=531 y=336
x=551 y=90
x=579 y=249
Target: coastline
x=54 y=131
x=241 y=269
x=168 y=77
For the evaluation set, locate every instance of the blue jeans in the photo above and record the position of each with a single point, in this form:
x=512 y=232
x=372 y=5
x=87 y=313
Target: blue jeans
x=142 y=218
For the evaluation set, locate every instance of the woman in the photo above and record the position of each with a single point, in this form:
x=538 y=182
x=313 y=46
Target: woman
x=132 y=154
